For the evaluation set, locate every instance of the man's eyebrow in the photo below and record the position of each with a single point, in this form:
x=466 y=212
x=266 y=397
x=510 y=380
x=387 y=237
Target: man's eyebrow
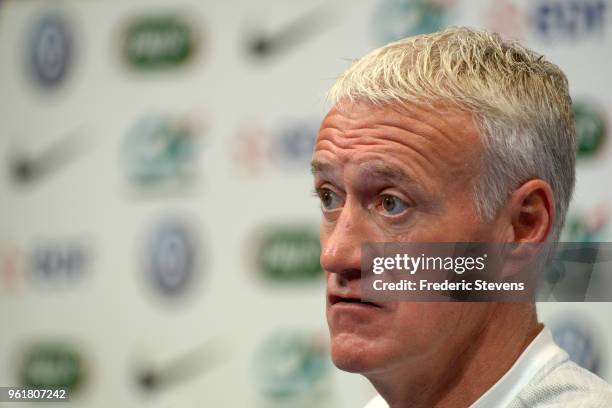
x=317 y=167
x=377 y=168
x=383 y=170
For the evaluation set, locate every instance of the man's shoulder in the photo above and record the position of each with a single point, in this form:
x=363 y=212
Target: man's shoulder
x=567 y=385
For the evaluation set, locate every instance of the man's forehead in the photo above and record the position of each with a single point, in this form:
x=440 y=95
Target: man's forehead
x=428 y=120
x=358 y=111
x=358 y=114
x=437 y=126
x=396 y=143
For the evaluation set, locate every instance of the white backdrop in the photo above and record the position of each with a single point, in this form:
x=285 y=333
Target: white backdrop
x=239 y=182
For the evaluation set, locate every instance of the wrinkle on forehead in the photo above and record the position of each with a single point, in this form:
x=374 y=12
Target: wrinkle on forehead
x=434 y=136
x=440 y=121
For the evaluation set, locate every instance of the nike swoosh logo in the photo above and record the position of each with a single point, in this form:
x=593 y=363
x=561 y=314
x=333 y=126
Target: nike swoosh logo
x=27 y=168
x=264 y=45
x=180 y=369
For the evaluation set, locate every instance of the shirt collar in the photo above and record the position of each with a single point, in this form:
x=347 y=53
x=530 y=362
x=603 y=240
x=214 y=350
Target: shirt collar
x=540 y=353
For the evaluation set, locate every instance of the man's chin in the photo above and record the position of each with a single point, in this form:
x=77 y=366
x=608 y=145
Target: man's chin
x=356 y=355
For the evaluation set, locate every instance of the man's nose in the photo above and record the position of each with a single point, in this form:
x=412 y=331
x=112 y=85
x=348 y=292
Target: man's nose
x=341 y=244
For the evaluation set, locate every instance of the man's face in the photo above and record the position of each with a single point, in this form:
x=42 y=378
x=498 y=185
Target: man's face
x=391 y=174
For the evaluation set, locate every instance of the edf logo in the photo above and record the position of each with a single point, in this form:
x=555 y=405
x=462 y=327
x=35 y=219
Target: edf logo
x=569 y=18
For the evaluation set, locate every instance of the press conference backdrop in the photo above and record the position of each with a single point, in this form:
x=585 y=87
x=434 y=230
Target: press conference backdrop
x=158 y=234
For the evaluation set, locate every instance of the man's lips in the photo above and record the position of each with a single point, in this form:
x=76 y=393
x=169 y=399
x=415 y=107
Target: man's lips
x=349 y=299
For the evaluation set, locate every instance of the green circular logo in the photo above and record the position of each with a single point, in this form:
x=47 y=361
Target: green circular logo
x=290 y=363
x=52 y=365
x=397 y=19
x=590 y=128
x=159 y=149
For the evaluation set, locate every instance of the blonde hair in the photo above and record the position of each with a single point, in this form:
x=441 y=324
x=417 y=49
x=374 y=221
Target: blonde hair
x=519 y=101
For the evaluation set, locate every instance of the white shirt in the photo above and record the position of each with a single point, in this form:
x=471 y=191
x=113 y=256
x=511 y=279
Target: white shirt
x=542 y=377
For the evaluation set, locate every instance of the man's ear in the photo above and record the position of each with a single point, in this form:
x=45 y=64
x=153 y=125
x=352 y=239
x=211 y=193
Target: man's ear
x=531 y=209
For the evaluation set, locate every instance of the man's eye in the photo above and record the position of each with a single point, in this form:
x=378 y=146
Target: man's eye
x=329 y=199
x=393 y=205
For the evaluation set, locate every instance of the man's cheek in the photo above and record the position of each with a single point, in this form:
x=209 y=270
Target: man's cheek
x=420 y=323
x=328 y=279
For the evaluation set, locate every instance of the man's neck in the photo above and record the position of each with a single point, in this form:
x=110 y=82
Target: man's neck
x=480 y=363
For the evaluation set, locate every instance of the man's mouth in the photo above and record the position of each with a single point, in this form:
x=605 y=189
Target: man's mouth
x=342 y=300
